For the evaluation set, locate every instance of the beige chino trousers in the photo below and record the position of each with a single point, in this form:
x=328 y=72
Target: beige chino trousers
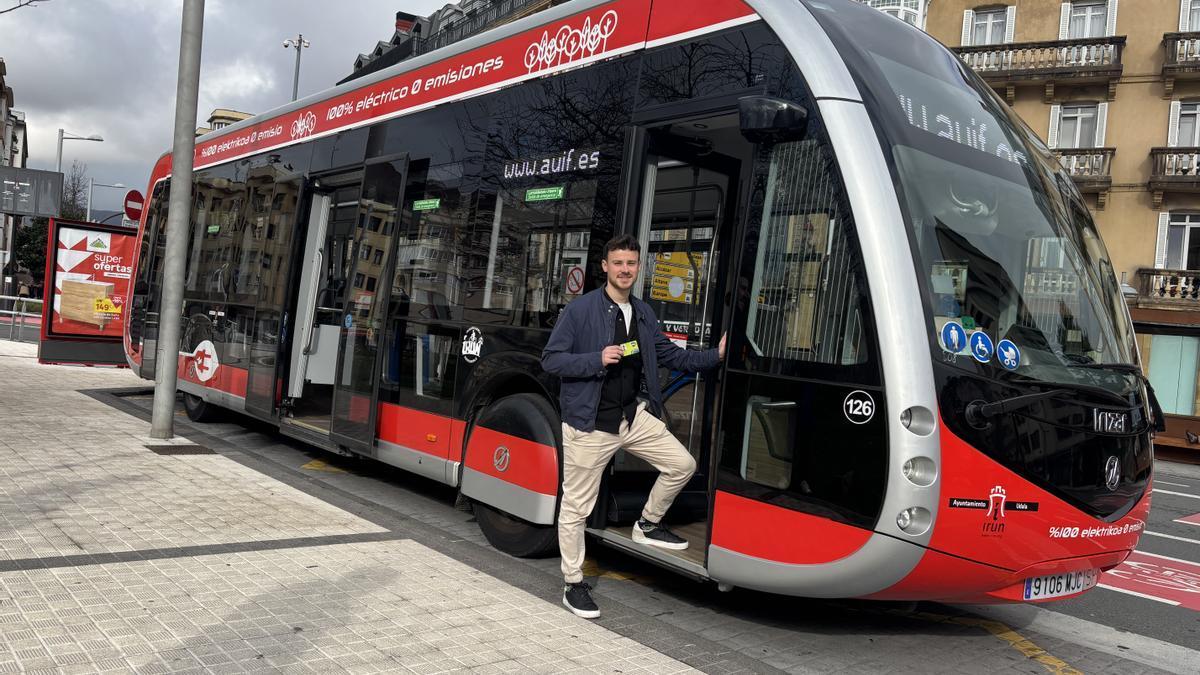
x=586 y=454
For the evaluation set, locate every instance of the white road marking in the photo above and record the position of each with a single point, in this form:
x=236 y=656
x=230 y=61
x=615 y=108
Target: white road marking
x=1177 y=494
x=1167 y=557
x=1171 y=536
x=1148 y=651
x=1140 y=595
x=1187 y=522
x=1163 y=482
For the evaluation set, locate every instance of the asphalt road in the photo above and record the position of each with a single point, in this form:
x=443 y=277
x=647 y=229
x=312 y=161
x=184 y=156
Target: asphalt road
x=1110 y=629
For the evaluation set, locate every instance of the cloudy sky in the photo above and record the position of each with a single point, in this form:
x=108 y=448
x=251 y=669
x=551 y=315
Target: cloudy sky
x=109 y=67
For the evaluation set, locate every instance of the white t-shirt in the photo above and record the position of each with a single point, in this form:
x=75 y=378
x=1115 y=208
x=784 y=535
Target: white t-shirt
x=627 y=310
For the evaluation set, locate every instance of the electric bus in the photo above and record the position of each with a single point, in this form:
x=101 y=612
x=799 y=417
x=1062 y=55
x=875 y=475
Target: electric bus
x=932 y=389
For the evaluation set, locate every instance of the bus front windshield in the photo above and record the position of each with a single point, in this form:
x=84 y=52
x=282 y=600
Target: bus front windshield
x=1016 y=276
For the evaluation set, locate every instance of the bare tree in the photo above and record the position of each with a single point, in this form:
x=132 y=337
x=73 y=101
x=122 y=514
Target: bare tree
x=75 y=192
x=20 y=4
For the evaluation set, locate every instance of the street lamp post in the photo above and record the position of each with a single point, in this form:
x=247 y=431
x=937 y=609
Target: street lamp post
x=298 y=43
x=92 y=186
x=68 y=136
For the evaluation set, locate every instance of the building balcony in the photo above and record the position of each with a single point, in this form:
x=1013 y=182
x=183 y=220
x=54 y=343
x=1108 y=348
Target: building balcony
x=1091 y=169
x=1169 y=289
x=1174 y=170
x=1078 y=61
x=1182 y=59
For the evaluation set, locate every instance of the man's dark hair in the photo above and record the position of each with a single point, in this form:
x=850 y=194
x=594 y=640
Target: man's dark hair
x=622 y=242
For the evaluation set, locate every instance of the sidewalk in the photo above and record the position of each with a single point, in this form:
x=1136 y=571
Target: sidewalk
x=115 y=558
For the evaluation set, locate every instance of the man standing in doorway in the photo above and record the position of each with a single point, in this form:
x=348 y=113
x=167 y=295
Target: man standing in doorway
x=607 y=347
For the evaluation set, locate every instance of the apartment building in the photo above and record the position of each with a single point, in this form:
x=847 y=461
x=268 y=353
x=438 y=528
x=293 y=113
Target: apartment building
x=1114 y=88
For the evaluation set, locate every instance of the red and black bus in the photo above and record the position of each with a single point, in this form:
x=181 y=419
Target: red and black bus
x=932 y=389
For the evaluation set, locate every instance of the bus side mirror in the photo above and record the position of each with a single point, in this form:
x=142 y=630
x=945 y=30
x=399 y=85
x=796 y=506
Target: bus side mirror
x=771 y=120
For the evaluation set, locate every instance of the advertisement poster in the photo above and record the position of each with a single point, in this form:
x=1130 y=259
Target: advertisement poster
x=92 y=270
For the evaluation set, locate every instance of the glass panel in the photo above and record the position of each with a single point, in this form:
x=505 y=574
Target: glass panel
x=1173 y=362
x=978 y=187
x=1194 y=21
x=354 y=394
x=1193 y=250
x=767 y=455
x=1068 y=131
x=804 y=297
x=1187 y=125
x=1175 y=243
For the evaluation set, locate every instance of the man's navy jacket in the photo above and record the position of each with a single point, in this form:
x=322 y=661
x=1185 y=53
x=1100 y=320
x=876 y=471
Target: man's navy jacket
x=585 y=327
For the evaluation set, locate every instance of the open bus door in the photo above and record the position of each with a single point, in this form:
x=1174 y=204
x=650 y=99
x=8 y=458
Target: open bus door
x=689 y=171
x=342 y=302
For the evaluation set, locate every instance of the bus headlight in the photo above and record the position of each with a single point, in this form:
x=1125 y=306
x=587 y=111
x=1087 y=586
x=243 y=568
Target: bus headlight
x=914 y=521
x=920 y=471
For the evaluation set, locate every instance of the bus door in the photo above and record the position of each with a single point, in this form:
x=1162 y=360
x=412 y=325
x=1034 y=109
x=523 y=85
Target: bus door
x=690 y=176
x=320 y=299
x=273 y=226
x=365 y=307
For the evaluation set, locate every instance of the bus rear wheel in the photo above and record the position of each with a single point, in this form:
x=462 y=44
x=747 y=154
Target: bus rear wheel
x=199 y=410
x=515 y=536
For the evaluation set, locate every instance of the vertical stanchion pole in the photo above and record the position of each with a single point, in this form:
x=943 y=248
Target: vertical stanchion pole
x=162 y=424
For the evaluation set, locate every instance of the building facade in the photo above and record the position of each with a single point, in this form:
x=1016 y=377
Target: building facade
x=14 y=151
x=221 y=118
x=1114 y=88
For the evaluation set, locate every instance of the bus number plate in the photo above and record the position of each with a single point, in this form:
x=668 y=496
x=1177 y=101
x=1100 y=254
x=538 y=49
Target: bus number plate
x=1058 y=585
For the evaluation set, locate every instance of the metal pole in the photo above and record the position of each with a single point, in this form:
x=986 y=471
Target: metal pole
x=178 y=219
x=58 y=163
x=296 y=76
x=91 y=186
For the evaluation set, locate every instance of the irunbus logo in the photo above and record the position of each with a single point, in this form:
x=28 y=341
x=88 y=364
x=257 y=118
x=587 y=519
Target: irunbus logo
x=570 y=44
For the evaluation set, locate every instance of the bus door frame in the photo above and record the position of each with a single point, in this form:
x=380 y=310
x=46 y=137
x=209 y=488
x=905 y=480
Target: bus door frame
x=634 y=210
x=382 y=299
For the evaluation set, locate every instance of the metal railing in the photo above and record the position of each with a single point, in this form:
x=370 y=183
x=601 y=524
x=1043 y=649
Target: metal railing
x=1087 y=162
x=475 y=22
x=1175 y=161
x=1170 y=285
x=18 y=319
x=1102 y=53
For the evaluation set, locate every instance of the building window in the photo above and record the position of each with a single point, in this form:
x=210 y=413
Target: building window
x=908 y=11
x=1190 y=14
x=990 y=27
x=1088 y=20
x=1183 y=242
x=1189 y=124
x=1077 y=127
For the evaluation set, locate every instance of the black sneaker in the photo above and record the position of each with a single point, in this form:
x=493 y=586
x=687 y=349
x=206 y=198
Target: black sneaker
x=578 y=599
x=657 y=534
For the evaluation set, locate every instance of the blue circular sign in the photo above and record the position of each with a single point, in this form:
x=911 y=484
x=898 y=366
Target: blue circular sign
x=954 y=338
x=349 y=320
x=981 y=347
x=1008 y=355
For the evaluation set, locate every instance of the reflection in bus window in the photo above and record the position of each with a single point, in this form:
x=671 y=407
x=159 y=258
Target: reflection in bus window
x=427 y=265
x=538 y=240
x=804 y=301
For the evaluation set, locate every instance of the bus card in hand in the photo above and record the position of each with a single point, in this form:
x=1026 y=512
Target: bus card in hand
x=629 y=348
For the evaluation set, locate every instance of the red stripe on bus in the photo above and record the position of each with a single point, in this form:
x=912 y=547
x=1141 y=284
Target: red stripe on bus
x=667 y=19
x=753 y=528
x=413 y=429
x=526 y=463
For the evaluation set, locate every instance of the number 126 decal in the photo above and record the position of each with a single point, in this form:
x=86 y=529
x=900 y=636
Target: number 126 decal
x=859 y=407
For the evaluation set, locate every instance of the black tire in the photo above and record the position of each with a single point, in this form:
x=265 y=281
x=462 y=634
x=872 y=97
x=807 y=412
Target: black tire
x=199 y=410
x=515 y=536
x=508 y=533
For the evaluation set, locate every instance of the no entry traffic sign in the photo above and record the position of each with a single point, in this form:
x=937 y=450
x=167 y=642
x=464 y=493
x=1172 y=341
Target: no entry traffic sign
x=133 y=205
